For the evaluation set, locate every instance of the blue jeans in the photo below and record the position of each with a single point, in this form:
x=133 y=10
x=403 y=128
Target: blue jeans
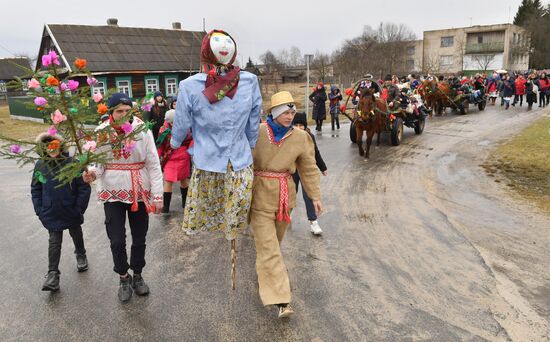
x=310 y=209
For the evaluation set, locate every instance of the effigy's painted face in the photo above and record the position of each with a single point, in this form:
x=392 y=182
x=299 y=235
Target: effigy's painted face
x=223 y=47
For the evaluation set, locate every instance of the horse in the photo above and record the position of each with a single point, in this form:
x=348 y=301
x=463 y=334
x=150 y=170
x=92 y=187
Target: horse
x=369 y=118
x=436 y=94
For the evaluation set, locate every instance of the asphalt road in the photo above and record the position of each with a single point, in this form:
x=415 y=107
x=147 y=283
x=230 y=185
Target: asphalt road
x=419 y=244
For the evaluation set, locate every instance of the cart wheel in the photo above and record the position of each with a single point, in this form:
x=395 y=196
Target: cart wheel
x=397 y=132
x=482 y=105
x=352 y=132
x=419 y=126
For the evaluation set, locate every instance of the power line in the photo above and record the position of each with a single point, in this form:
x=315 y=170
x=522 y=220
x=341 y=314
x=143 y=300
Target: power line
x=3 y=47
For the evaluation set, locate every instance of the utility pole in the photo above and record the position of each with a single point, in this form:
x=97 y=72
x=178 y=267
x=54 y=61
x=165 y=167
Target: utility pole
x=306 y=99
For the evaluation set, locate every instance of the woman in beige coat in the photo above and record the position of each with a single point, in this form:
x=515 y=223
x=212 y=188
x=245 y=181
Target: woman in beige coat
x=280 y=152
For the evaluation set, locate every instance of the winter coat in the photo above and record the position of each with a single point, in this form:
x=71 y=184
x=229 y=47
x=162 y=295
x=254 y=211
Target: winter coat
x=319 y=97
x=544 y=84
x=531 y=94
x=176 y=163
x=520 y=86
x=334 y=97
x=508 y=89
x=156 y=114
x=58 y=208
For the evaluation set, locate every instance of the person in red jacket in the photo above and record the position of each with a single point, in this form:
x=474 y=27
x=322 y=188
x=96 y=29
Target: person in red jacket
x=520 y=90
x=176 y=163
x=544 y=85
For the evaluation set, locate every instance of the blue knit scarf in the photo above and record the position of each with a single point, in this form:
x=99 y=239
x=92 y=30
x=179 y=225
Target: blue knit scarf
x=278 y=130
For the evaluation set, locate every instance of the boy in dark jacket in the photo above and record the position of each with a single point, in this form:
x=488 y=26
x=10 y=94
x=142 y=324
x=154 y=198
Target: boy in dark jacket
x=58 y=207
x=300 y=122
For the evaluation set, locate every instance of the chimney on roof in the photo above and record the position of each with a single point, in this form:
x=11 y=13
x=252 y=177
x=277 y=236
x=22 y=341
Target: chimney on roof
x=112 y=22
x=176 y=25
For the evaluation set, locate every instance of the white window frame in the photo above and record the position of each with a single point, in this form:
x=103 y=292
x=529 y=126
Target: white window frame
x=147 y=85
x=448 y=58
x=99 y=88
x=128 y=86
x=175 y=85
x=3 y=87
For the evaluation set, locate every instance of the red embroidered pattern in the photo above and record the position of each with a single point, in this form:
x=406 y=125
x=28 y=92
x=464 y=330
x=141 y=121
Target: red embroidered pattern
x=271 y=136
x=120 y=195
x=282 y=214
x=137 y=191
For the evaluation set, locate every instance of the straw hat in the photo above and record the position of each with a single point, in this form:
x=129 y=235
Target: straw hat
x=281 y=98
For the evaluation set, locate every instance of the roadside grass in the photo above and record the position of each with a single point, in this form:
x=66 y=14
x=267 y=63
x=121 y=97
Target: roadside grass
x=19 y=129
x=524 y=163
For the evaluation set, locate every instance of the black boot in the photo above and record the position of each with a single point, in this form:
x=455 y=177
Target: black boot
x=183 y=196
x=125 y=288
x=52 y=281
x=166 y=204
x=81 y=262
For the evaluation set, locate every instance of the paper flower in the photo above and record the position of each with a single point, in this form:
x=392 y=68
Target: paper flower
x=63 y=86
x=126 y=127
x=50 y=58
x=54 y=145
x=73 y=85
x=349 y=91
x=91 y=81
x=89 y=146
x=146 y=107
x=97 y=97
x=102 y=108
x=40 y=101
x=33 y=84
x=52 y=130
x=80 y=63
x=343 y=108
x=129 y=146
x=15 y=149
x=52 y=81
x=57 y=117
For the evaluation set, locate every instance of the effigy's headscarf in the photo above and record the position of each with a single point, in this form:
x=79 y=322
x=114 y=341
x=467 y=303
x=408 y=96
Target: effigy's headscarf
x=222 y=78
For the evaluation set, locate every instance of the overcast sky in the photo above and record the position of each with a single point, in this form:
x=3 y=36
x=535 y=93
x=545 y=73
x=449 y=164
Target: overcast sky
x=255 y=25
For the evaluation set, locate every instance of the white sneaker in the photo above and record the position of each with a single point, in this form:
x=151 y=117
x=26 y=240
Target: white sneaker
x=315 y=229
x=191 y=232
x=285 y=311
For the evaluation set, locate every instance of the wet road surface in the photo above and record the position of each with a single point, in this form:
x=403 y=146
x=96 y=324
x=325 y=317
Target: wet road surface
x=418 y=244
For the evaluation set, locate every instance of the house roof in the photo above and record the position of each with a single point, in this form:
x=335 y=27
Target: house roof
x=126 y=49
x=9 y=68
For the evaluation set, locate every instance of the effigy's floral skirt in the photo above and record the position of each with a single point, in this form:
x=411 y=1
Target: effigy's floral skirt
x=219 y=201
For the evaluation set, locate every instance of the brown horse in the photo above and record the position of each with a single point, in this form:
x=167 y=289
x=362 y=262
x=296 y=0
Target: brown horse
x=369 y=118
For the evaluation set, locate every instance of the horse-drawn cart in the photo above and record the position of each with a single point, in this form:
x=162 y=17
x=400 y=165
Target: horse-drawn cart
x=374 y=115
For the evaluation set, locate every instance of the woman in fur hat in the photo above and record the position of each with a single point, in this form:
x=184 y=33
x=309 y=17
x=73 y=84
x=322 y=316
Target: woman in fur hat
x=59 y=207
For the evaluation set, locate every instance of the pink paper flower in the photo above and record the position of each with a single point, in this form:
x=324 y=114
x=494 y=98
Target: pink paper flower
x=57 y=117
x=50 y=58
x=73 y=85
x=97 y=97
x=52 y=130
x=40 y=101
x=15 y=149
x=89 y=146
x=126 y=127
x=146 y=107
x=129 y=146
x=91 y=81
x=63 y=86
x=33 y=84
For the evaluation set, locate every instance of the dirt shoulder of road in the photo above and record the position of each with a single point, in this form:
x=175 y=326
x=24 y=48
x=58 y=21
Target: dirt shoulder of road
x=19 y=129
x=523 y=163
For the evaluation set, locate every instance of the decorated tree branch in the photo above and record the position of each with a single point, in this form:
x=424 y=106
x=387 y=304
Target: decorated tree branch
x=73 y=111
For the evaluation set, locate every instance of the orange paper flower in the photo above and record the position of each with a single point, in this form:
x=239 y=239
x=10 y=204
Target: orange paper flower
x=52 y=81
x=102 y=108
x=80 y=63
x=54 y=145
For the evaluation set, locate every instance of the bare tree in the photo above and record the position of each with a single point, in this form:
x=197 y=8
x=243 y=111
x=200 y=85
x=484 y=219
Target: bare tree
x=431 y=64
x=483 y=61
x=295 y=56
x=320 y=66
x=272 y=67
